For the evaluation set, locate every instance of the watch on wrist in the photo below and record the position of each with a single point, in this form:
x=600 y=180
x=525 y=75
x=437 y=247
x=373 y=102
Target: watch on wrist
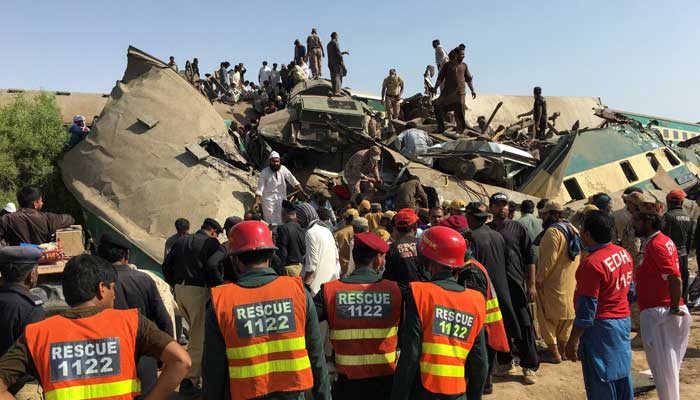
x=675 y=310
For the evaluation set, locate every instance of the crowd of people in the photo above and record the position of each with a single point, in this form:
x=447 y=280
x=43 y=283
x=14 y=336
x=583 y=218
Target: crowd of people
x=382 y=297
x=274 y=83
x=303 y=291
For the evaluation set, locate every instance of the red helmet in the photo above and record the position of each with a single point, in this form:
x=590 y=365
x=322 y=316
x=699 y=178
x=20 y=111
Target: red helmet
x=443 y=245
x=250 y=236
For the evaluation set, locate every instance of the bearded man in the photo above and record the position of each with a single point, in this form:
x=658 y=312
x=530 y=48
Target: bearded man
x=272 y=189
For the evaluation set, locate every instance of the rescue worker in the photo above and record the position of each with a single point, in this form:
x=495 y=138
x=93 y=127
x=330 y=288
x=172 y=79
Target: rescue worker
x=392 y=91
x=135 y=289
x=18 y=306
x=362 y=171
x=600 y=334
x=680 y=228
x=443 y=322
x=90 y=351
x=664 y=317
x=402 y=262
x=363 y=312
x=474 y=276
x=261 y=317
x=272 y=189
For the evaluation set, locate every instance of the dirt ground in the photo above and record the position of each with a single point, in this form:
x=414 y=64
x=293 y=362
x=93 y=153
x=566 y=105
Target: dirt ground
x=565 y=381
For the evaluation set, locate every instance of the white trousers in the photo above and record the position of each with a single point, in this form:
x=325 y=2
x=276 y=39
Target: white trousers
x=665 y=339
x=272 y=209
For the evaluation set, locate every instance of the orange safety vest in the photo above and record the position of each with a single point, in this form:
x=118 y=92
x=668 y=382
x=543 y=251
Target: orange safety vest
x=495 y=330
x=364 y=321
x=264 y=329
x=451 y=322
x=86 y=358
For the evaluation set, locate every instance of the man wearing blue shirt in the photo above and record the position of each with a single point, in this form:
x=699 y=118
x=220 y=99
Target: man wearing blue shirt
x=600 y=337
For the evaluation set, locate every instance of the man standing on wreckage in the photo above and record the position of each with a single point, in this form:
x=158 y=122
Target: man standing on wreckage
x=272 y=189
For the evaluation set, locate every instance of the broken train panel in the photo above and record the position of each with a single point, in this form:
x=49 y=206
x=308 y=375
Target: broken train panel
x=134 y=174
x=607 y=160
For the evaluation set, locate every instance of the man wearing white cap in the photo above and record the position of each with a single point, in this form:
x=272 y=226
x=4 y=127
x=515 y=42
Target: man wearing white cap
x=78 y=131
x=272 y=189
x=8 y=209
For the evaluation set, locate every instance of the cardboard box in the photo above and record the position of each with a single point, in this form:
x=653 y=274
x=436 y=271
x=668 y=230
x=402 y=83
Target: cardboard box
x=72 y=240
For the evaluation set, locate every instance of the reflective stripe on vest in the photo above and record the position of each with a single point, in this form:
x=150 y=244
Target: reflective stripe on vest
x=363 y=319
x=356 y=334
x=96 y=391
x=86 y=358
x=493 y=312
x=264 y=332
x=450 y=322
x=497 y=339
x=269 y=367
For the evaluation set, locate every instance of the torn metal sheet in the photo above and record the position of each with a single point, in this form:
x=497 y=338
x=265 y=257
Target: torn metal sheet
x=449 y=187
x=137 y=181
x=483 y=148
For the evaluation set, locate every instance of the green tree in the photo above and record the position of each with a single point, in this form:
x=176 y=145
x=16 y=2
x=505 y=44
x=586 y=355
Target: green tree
x=32 y=137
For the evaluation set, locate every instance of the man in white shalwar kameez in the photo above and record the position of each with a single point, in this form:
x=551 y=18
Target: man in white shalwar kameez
x=272 y=189
x=665 y=319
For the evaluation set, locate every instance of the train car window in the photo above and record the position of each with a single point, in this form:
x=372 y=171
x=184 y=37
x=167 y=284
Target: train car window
x=651 y=157
x=574 y=189
x=675 y=135
x=666 y=133
x=629 y=171
x=671 y=157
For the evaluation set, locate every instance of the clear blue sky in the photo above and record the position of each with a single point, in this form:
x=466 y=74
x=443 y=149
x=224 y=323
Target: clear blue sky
x=641 y=56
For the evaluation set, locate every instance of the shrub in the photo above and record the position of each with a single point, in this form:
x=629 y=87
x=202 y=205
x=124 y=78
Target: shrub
x=32 y=137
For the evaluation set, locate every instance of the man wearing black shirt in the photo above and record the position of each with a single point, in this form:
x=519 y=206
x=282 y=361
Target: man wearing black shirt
x=187 y=267
x=489 y=248
x=290 y=243
x=539 y=113
x=221 y=260
x=520 y=269
x=135 y=289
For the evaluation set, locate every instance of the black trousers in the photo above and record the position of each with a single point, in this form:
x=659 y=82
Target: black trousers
x=336 y=78
x=527 y=349
x=147 y=371
x=440 y=111
x=683 y=264
x=378 y=388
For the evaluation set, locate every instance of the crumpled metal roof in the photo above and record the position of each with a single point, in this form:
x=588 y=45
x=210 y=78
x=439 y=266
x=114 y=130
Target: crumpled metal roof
x=133 y=172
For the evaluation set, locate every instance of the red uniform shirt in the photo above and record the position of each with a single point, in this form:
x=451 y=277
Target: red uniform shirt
x=606 y=274
x=659 y=262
